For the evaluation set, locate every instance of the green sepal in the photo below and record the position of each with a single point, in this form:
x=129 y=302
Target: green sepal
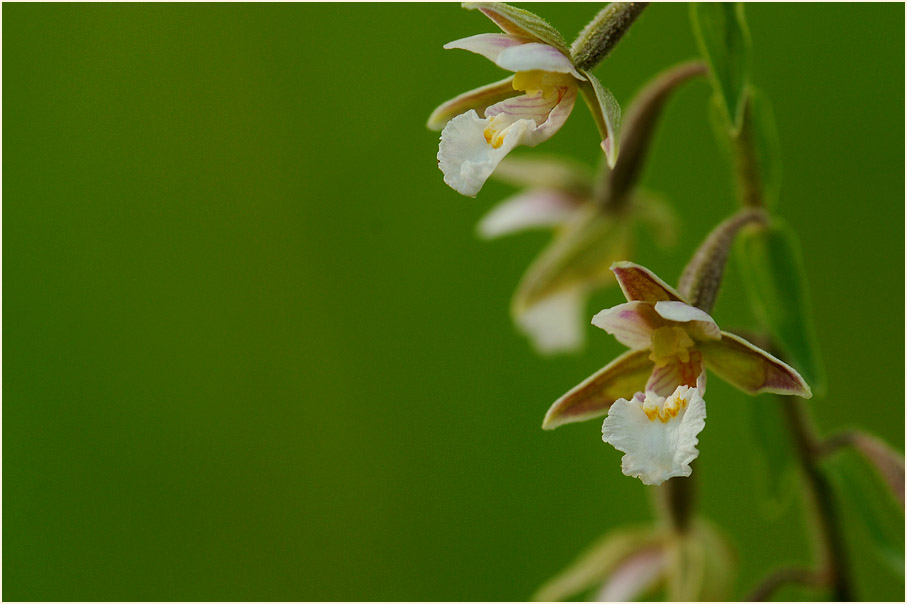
x=606 y=113
x=521 y=22
x=579 y=256
x=724 y=42
x=775 y=281
x=597 y=562
x=882 y=516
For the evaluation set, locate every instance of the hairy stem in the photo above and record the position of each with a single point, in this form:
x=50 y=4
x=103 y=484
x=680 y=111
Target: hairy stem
x=701 y=278
x=603 y=33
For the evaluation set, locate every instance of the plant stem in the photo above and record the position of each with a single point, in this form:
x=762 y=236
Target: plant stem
x=746 y=164
x=803 y=576
x=827 y=526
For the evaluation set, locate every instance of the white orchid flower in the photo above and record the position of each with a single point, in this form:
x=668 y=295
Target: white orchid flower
x=480 y=127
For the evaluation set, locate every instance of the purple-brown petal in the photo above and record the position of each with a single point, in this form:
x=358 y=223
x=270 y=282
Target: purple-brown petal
x=639 y=283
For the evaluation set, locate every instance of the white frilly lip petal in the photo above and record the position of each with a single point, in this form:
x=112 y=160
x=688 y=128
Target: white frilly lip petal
x=531 y=56
x=464 y=156
x=525 y=210
x=631 y=323
x=467 y=159
x=489 y=46
x=702 y=325
x=554 y=324
x=655 y=451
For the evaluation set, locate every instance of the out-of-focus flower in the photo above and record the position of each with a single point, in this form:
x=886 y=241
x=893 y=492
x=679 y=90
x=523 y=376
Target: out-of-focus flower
x=483 y=125
x=550 y=301
x=649 y=561
x=670 y=343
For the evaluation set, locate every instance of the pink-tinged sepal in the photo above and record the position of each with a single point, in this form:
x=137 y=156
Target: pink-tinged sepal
x=752 y=369
x=639 y=283
x=478 y=100
x=489 y=46
x=624 y=376
x=520 y=22
x=535 y=56
x=631 y=323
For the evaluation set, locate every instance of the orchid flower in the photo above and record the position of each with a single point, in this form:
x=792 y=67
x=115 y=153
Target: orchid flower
x=655 y=390
x=482 y=126
x=629 y=563
x=557 y=193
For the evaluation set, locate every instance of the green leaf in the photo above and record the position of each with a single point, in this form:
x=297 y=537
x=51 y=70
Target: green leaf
x=724 y=41
x=775 y=281
x=882 y=516
x=767 y=147
x=774 y=461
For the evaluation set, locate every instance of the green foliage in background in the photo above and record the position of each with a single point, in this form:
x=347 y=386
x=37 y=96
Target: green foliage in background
x=254 y=350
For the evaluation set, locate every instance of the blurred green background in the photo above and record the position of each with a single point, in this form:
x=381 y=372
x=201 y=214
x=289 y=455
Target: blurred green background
x=254 y=349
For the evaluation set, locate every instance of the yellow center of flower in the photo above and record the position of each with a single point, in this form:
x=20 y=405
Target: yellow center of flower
x=551 y=85
x=668 y=343
x=668 y=410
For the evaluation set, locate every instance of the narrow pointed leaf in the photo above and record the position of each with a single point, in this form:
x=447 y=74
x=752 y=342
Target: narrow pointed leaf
x=606 y=113
x=766 y=145
x=579 y=257
x=639 y=283
x=598 y=562
x=724 y=42
x=882 y=517
x=775 y=281
x=477 y=99
x=751 y=369
x=622 y=378
x=773 y=457
x=521 y=22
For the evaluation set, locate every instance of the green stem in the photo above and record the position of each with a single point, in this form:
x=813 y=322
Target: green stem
x=746 y=163
x=829 y=538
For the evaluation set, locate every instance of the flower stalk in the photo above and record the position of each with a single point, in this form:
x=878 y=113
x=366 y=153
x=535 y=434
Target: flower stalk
x=603 y=33
x=828 y=532
x=701 y=278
